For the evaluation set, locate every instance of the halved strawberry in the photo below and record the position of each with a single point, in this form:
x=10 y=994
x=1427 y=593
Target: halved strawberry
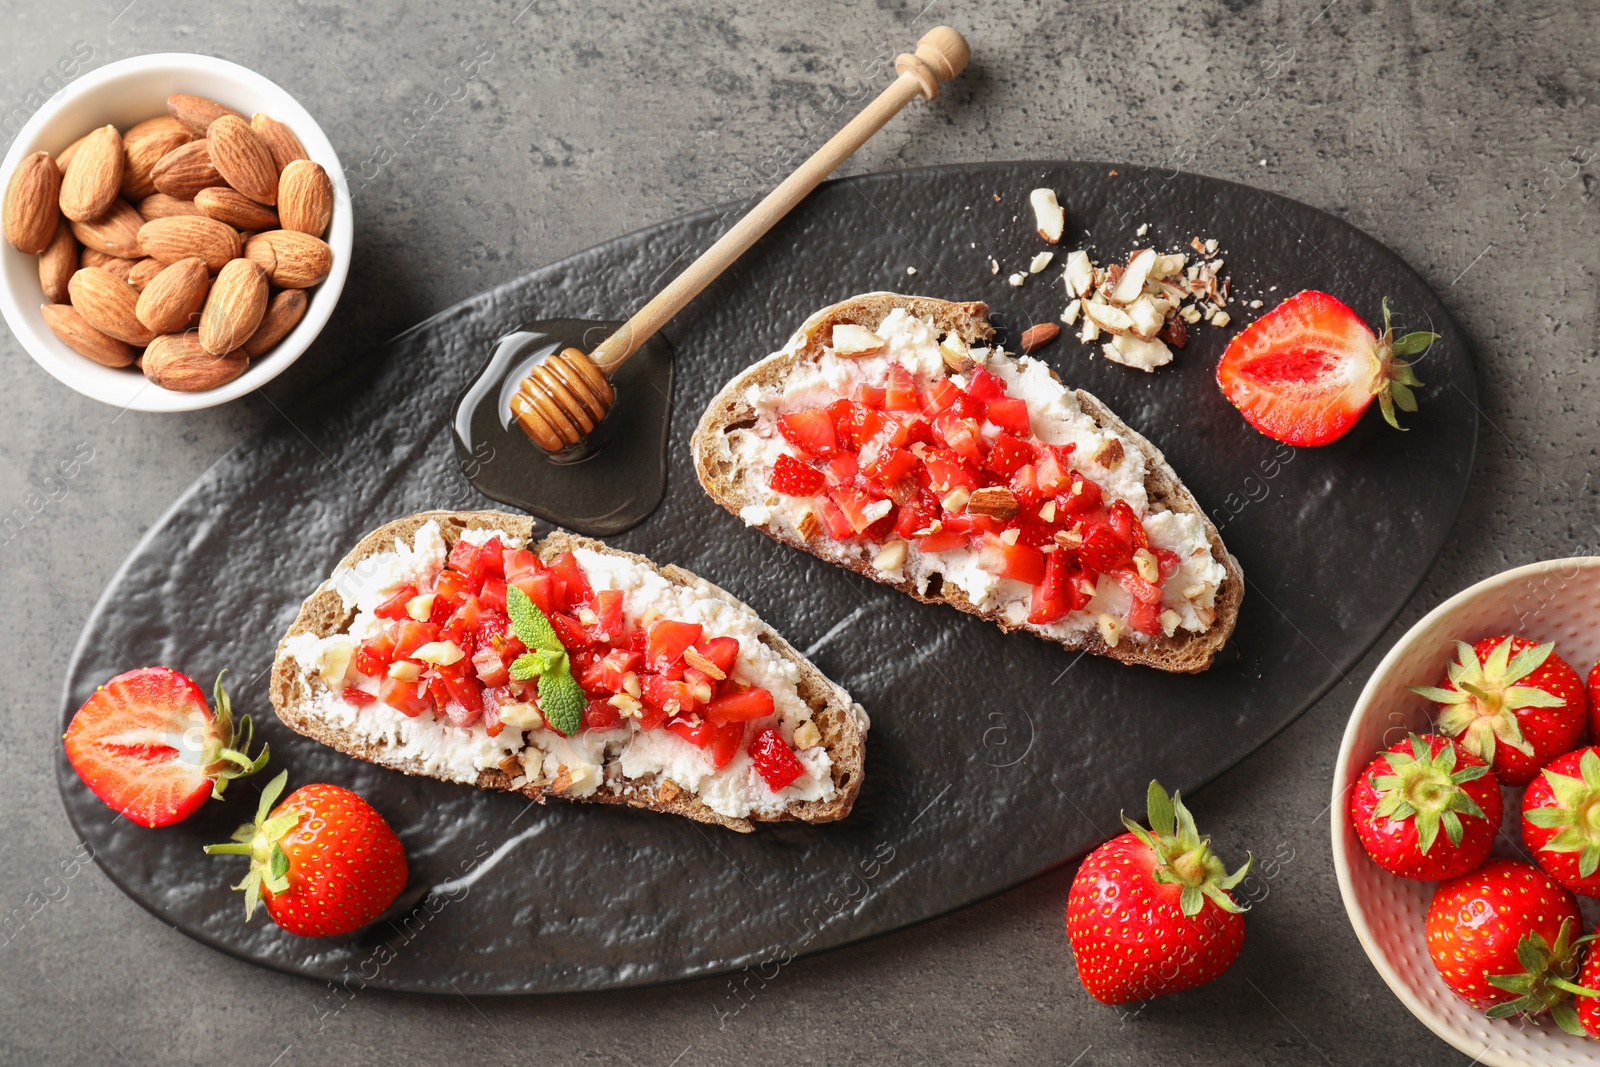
x=1305 y=371
x=147 y=745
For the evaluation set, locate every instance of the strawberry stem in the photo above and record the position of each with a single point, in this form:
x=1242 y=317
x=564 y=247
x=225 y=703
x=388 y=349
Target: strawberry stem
x=262 y=842
x=1183 y=857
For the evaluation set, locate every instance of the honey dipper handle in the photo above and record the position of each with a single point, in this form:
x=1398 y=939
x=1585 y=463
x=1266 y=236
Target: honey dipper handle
x=941 y=54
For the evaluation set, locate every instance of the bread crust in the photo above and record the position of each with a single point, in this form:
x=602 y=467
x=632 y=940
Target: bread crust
x=838 y=719
x=719 y=473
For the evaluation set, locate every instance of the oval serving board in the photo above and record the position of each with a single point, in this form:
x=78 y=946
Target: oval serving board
x=991 y=758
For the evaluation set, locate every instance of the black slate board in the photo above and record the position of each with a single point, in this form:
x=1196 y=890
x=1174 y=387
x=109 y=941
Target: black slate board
x=991 y=759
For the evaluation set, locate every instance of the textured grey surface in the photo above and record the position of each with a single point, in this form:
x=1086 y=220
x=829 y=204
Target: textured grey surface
x=1462 y=134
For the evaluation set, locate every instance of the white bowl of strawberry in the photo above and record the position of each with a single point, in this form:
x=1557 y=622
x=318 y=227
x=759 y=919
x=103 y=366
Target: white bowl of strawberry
x=1466 y=817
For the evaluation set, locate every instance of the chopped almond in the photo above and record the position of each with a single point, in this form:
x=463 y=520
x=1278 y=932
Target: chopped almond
x=851 y=340
x=668 y=791
x=995 y=501
x=1110 y=453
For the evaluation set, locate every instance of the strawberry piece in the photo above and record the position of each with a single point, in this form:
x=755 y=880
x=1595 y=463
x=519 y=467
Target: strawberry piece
x=147 y=744
x=463 y=559
x=395 y=606
x=723 y=652
x=351 y=695
x=667 y=641
x=608 y=609
x=901 y=393
x=1011 y=414
x=891 y=466
x=1052 y=597
x=575 y=583
x=1083 y=496
x=1513 y=703
x=793 y=478
x=1305 y=371
x=775 y=760
x=1103 y=551
x=1007 y=455
x=810 y=431
x=1421 y=786
x=698 y=732
x=985 y=386
x=408 y=698
x=1019 y=562
x=854 y=424
x=940 y=396
x=833 y=519
x=725 y=743
x=520 y=563
x=599 y=715
x=1503 y=938
x=1149 y=912
x=948 y=471
x=871 y=396
x=324 y=861
x=753 y=703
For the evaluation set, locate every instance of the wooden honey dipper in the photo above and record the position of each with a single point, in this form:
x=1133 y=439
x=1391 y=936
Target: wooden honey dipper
x=565 y=396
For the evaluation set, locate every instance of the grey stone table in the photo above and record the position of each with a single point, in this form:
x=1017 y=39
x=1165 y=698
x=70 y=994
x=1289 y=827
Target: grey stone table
x=482 y=140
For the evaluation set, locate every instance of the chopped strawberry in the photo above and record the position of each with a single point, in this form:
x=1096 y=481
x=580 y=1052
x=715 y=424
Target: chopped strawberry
x=520 y=563
x=408 y=698
x=608 y=609
x=725 y=743
x=985 y=386
x=753 y=703
x=1019 y=562
x=1011 y=414
x=351 y=695
x=723 y=652
x=600 y=715
x=793 y=478
x=853 y=424
x=940 y=396
x=1305 y=371
x=1007 y=454
x=833 y=520
x=697 y=731
x=667 y=641
x=871 y=396
x=1102 y=550
x=948 y=471
x=576 y=583
x=901 y=394
x=395 y=606
x=775 y=760
x=810 y=431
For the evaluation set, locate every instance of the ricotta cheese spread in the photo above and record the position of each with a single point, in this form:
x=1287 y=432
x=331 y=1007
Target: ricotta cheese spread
x=1055 y=417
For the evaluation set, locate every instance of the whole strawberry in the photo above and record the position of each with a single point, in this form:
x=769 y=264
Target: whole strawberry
x=1561 y=820
x=1149 y=912
x=1594 y=701
x=324 y=860
x=1589 y=978
x=1514 y=704
x=1408 y=794
x=1504 y=940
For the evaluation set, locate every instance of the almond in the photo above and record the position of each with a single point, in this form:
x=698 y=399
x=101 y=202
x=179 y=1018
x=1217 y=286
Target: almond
x=121 y=268
x=233 y=310
x=75 y=332
x=236 y=209
x=242 y=159
x=107 y=303
x=89 y=186
x=57 y=264
x=292 y=260
x=185 y=171
x=30 y=205
x=115 y=233
x=182 y=236
x=197 y=112
x=162 y=206
x=174 y=296
x=176 y=361
x=144 y=272
x=1038 y=335
x=279 y=139
x=1048 y=217
x=143 y=147
x=64 y=156
x=1110 y=453
x=283 y=314
x=305 y=197
x=996 y=501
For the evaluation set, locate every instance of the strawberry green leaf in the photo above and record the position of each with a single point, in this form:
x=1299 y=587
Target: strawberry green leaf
x=1414 y=343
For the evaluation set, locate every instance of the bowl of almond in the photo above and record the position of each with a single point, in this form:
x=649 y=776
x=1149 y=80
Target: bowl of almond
x=177 y=231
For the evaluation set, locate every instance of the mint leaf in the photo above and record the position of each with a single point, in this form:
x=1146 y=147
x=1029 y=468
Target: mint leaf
x=561 y=698
x=529 y=623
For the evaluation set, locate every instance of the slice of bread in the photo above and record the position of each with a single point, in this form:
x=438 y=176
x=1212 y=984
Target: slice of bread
x=724 y=474
x=297 y=691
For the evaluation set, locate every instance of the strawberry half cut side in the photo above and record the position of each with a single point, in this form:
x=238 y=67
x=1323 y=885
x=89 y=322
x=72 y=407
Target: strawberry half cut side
x=1183 y=857
x=147 y=744
x=1305 y=371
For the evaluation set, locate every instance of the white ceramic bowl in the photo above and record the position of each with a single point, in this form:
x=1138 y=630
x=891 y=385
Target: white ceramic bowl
x=123 y=93
x=1558 y=600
